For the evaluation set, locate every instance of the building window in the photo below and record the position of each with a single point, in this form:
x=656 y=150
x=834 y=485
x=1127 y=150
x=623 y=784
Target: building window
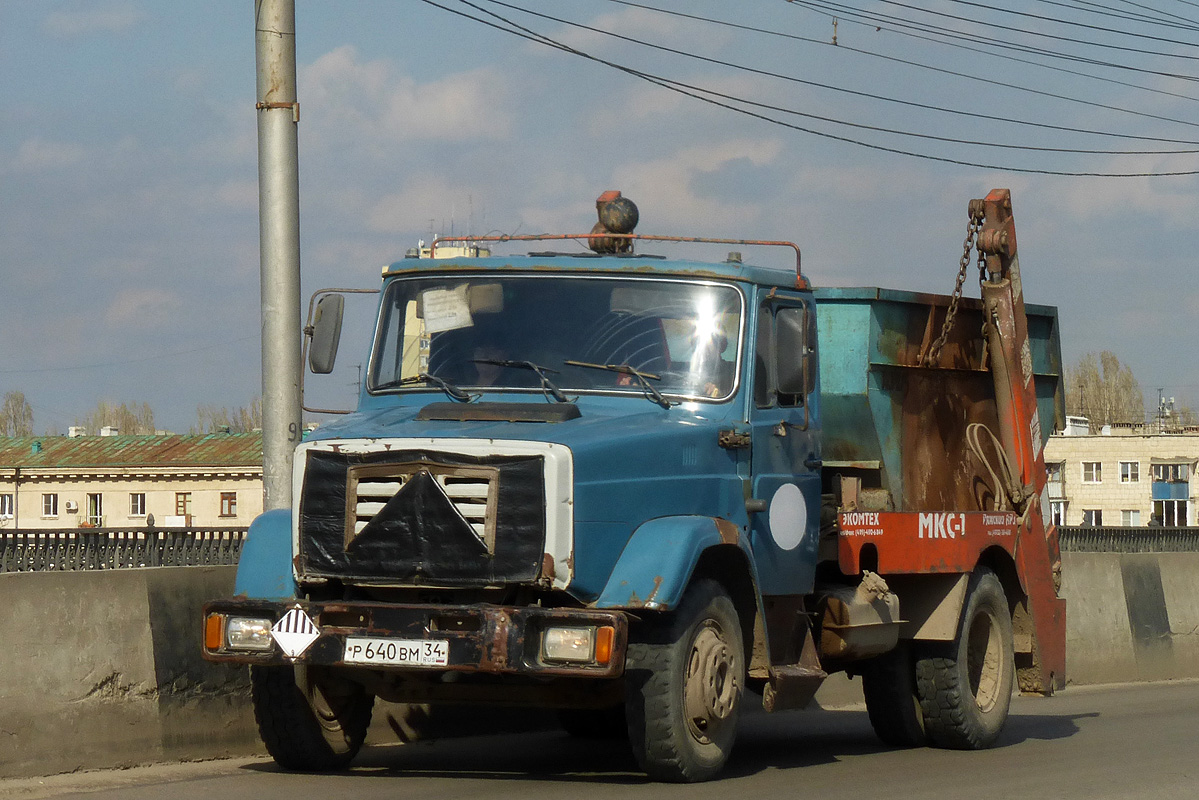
x=137 y=504
x=1130 y=518
x=1170 y=513
x=1054 y=469
x=95 y=509
x=1092 y=472
x=228 y=504
x=1171 y=473
x=1057 y=512
x=1130 y=472
x=6 y=506
x=50 y=505
x=1092 y=517
x=183 y=504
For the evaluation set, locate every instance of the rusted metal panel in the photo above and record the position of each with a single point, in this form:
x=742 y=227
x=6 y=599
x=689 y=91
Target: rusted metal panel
x=496 y=640
x=923 y=542
x=905 y=427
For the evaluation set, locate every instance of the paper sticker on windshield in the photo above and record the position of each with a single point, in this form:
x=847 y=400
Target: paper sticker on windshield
x=446 y=309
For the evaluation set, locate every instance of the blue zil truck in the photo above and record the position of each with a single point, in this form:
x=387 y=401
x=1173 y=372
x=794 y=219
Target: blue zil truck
x=645 y=492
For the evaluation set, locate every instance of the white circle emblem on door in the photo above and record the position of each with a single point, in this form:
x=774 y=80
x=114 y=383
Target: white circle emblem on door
x=788 y=516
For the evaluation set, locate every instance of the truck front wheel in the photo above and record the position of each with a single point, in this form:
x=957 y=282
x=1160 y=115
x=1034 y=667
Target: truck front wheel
x=965 y=686
x=307 y=724
x=685 y=677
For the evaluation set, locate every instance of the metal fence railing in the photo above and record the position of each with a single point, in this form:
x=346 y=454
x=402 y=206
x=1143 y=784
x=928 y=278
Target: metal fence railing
x=1128 y=540
x=114 y=548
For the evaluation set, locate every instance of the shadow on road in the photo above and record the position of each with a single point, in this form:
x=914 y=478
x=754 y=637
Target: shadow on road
x=1043 y=727
x=765 y=742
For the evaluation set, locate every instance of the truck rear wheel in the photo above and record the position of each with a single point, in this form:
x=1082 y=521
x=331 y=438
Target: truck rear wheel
x=309 y=726
x=965 y=686
x=685 y=675
x=889 y=685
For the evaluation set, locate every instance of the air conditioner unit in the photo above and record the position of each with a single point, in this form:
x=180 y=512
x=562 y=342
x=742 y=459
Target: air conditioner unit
x=72 y=507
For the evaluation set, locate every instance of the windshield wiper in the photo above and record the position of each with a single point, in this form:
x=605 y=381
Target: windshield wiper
x=546 y=384
x=423 y=377
x=643 y=378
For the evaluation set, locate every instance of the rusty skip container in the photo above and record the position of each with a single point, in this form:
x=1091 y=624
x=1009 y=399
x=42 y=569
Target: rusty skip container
x=902 y=428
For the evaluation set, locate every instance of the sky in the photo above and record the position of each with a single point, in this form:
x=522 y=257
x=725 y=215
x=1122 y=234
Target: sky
x=129 y=260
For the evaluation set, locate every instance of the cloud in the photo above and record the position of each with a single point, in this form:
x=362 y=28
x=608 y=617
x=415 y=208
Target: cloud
x=38 y=154
x=1169 y=200
x=112 y=18
x=143 y=308
x=421 y=196
x=382 y=107
x=672 y=184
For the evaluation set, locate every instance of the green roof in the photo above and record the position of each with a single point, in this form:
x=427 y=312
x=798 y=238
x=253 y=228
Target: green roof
x=204 y=450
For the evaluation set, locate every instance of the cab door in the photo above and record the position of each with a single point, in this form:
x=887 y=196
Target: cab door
x=785 y=444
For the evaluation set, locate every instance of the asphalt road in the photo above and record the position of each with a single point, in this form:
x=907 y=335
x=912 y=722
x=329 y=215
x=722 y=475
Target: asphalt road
x=1133 y=741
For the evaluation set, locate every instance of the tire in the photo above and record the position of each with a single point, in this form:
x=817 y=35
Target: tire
x=594 y=723
x=320 y=729
x=889 y=685
x=685 y=676
x=965 y=686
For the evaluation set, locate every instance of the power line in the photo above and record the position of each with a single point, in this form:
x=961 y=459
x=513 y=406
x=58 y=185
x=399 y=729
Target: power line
x=869 y=95
x=977 y=78
x=514 y=29
x=1015 y=59
x=1052 y=36
x=1056 y=20
x=883 y=21
x=1132 y=16
x=1147 y=8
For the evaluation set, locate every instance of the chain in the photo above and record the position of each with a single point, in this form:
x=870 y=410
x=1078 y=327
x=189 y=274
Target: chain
x=972 y=228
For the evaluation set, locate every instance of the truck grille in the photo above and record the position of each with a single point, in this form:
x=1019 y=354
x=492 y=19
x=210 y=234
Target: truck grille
x=421 y=517
x=472 y=492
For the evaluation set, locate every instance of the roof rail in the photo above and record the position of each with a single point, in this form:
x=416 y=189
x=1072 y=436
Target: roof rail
x=800 y=281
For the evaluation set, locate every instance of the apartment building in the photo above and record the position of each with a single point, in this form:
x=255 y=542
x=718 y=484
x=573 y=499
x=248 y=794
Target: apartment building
x=114 y=481
x=1127 y=475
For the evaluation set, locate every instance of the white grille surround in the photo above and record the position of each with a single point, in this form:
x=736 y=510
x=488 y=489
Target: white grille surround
x=558 y=480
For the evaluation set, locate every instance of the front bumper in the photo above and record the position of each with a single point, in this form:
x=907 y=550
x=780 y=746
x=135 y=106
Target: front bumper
x=481 y=638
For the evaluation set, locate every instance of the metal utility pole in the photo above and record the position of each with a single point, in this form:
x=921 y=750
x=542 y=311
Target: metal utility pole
x=279 y=243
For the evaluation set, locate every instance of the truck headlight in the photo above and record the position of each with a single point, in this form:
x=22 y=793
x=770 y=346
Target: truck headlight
x=588 y=644
x=248 y=633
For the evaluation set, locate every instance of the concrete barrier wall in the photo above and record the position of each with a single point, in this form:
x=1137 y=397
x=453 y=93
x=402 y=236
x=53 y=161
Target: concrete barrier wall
x=103 y=668
x=1131 y=617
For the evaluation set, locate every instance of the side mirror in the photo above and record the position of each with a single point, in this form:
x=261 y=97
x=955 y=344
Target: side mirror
x=326 y=333
x=790 y=351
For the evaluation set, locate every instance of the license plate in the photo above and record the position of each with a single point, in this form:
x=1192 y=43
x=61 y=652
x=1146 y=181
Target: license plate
x=397 y=652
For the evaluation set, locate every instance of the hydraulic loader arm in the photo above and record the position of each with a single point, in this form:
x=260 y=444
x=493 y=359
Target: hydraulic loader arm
x=1038 y=558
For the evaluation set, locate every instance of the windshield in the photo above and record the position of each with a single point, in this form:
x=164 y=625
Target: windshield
x=682 y=335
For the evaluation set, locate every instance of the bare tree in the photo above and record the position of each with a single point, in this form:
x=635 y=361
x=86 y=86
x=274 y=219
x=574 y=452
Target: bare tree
x=1104 y=391
x=244 y=419
x=129 y=419
x=1186 y=416
x=16 y=415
